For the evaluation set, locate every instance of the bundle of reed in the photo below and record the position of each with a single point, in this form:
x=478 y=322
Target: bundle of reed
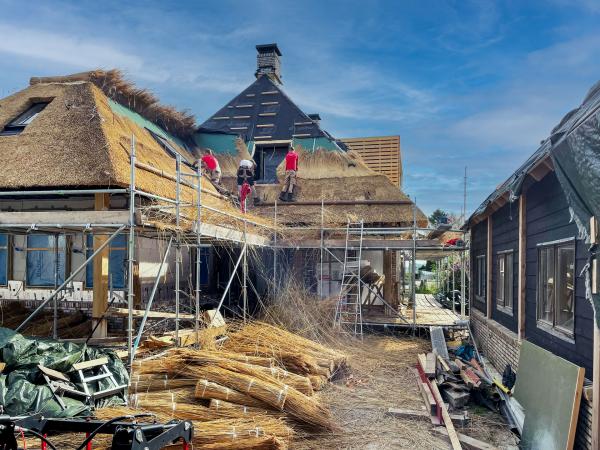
x=318 y=382
x=274 y=393
x=293 y=361
x=220 y=405
x=178 y=357
x=302 y=383
x=267 y=340
x=209 y=390
x=157 y=382
x=240 y=429
x=253 y=443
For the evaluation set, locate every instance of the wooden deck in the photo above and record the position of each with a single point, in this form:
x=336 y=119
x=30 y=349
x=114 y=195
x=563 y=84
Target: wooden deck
x=429 y=313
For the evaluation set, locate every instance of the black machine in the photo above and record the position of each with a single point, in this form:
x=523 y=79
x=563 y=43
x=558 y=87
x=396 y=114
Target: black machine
x=127 y=435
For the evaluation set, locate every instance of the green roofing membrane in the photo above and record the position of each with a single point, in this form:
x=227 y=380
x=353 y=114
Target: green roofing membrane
x=217 y=142
x=141 y=121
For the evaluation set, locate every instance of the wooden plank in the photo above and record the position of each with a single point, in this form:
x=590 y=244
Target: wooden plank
x=469 y=442
x=488 y=287
x=65 y=217
x=53 y=373
x=430 y=403
x=407 y=413
x=430 y=364
x=91 y=363
x=522 y=285
x=139 y=313
x=454 y=441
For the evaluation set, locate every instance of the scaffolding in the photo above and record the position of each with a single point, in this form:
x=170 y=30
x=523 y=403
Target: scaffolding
x=378 y=238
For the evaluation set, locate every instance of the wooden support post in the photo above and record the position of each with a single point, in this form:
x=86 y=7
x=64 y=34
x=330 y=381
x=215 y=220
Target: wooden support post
x=489 y=269
x=522 y=267
x=100 y=265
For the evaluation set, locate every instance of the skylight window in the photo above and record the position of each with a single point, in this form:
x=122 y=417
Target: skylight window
x=168 y=147
x=16 y=126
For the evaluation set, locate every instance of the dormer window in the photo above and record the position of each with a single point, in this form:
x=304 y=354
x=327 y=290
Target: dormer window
x=16 y=126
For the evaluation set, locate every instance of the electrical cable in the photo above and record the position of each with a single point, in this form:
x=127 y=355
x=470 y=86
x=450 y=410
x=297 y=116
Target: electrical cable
x=40 y=436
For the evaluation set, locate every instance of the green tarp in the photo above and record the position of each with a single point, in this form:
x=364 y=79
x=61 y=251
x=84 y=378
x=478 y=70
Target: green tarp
x=23 y=389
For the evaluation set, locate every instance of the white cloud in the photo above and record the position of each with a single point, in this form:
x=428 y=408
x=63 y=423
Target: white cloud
x=65 y=49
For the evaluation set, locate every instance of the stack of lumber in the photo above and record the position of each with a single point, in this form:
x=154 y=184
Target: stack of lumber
x=447 y=383
x=243 y=395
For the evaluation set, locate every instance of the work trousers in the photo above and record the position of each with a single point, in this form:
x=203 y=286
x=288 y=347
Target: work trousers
x=290 y=181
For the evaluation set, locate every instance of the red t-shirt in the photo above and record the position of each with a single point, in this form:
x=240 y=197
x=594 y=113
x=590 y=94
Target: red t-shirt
x=210 y=161
x=291 y=161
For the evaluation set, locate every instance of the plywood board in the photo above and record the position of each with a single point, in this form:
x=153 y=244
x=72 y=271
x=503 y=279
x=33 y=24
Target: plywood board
x=549 y=389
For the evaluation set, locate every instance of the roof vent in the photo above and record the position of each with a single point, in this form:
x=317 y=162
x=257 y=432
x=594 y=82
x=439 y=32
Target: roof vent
x=268 y=62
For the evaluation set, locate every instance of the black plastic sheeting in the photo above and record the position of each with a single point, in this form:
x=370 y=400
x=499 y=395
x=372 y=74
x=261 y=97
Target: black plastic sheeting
x=23 y=390
x=574 y=146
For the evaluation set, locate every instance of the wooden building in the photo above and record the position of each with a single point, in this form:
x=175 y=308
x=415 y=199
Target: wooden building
x=532 y=257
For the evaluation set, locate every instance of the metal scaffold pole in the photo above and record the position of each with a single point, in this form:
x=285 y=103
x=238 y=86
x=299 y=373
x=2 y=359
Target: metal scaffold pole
x=245 y=277
x=198 y=252
x=463 y=277
x=275 y=250
x=413 y=278
x=55 y=302
x=131 y=250
x=321 y=253
x=177 y=245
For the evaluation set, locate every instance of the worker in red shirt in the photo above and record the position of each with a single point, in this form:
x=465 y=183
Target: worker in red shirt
x=211 y=167
x=291 y=169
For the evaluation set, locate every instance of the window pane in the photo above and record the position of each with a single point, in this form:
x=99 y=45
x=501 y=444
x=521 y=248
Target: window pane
x=40 y=241
x=3 y=266
x=500 y=281
x=565 y=288
x=116 y=268
x=508 y=285
x=546 y=284
x=89 y=269
x=27 y=117
x=43 y=268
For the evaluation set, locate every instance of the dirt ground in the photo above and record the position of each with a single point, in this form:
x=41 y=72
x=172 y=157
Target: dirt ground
x=381 y=377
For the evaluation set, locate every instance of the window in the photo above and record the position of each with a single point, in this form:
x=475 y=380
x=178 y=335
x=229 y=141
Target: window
x=116 y=261
x=46 y=260
x=169 y=147
x=267 y=159
x=556 y=286
x=504 y=281
x=4 y=259
x=16 y=126
x=480 y=277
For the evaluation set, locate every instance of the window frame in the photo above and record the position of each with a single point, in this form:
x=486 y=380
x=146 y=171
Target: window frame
x=553 y=326
x=480 y=277
x=7 y=248
x=56 y=248
x=89 y=250
x=17 y=125
x=505 y=303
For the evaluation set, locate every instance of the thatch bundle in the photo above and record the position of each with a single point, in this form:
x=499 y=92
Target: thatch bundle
x=208 y=390
x=294 y=352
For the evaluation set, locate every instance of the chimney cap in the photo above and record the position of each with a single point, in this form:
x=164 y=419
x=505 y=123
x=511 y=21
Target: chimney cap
x=268 y=47
x=314 y=116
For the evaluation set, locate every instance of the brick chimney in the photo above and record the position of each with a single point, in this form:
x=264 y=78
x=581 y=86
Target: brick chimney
x=268 y=62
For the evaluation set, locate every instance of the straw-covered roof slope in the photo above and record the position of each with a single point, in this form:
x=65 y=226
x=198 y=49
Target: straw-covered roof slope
x=332 y=175
x=83 y=139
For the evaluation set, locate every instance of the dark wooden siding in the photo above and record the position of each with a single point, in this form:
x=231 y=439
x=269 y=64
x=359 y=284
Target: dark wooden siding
x=548 y=219
x=478 y=247
x=505 y=236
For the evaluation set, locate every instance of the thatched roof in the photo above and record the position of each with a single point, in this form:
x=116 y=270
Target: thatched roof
x=83 y=139
x=333 y=176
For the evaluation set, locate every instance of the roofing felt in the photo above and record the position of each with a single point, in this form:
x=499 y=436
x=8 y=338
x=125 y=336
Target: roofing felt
x=263 y=111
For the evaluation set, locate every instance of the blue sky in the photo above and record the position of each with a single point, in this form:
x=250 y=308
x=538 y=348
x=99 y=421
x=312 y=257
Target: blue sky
x=474 y=84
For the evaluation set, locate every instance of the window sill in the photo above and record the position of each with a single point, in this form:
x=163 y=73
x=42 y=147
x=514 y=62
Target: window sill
x=557 y=332
x=505 y=310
